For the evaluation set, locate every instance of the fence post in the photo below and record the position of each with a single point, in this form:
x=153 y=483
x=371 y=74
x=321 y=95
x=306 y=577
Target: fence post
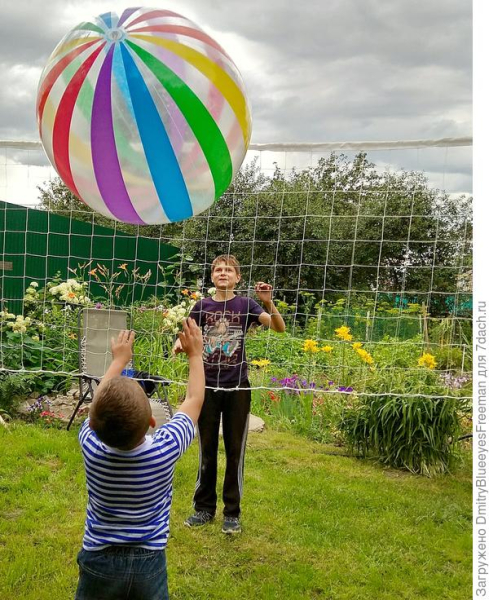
x=424 y=313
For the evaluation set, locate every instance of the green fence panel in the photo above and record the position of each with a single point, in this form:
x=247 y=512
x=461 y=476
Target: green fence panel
x=36 y=244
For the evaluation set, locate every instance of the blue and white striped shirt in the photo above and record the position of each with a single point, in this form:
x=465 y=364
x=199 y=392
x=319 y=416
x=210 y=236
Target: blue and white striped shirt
x=130 y=492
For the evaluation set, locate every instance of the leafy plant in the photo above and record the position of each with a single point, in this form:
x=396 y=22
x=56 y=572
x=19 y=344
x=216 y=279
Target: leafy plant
x=14 y=387
x=418 y=433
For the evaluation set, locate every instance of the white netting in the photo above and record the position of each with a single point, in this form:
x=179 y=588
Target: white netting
x=371 y=240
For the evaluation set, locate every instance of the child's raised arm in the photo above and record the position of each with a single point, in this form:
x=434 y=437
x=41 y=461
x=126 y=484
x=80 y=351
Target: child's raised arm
x=272 y=318
x=121 y=353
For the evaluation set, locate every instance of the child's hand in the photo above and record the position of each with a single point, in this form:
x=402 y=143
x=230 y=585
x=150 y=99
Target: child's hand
x=264 y=291
x=177 y=347
x=191 y=338
x=122 y=347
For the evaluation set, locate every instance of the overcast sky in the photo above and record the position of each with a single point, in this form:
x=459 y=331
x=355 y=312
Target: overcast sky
x=316 y=71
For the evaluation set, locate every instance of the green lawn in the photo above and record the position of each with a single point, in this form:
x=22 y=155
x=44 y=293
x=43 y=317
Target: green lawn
x=315 y=525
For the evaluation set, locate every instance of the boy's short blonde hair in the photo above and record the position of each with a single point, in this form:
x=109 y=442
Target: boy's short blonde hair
x=227 y=259
x=120 y=413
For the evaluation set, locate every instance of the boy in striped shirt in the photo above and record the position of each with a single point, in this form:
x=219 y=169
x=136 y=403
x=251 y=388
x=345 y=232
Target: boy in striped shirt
x=129 y=478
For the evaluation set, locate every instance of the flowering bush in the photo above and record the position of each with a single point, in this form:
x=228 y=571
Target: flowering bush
x=20 y=326
x=310 y=346
x=427 y=360
x=40 y=412
x=118 y=284
x=173 y=316
x=70 y=292
x=343 y=333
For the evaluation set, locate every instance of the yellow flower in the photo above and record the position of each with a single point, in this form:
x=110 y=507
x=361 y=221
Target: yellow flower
x=343 y=333
x=263 y=362
x=326 y=349
x=72 y=336
x=365 y=356
x=310 y=346
x=427 y=360
x=185 y=292
x=123 y=266
x=357 y=345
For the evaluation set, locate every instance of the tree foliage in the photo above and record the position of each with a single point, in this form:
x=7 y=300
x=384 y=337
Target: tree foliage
x=338 y=227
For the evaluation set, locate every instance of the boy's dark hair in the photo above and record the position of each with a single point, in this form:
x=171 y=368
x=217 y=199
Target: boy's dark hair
x=227 y=259
x=120 y=413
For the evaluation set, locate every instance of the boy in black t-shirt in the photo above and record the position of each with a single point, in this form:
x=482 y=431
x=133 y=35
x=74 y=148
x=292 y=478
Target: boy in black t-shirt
x=224 y=320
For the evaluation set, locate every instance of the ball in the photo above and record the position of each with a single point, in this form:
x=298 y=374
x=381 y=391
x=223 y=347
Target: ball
x=144 y=116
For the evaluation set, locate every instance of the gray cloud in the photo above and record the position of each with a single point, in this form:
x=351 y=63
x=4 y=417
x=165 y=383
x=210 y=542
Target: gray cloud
x=315 y=71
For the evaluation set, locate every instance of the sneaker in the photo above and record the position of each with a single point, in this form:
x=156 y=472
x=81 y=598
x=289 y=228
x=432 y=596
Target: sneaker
x=231 y=525
x=201 y=517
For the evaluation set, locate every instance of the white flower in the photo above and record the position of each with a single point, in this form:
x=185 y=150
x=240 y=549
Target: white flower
x=33 y=284
x=35 y=338
x=211 y=291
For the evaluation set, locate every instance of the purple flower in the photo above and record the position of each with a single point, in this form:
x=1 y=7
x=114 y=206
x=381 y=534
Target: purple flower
x=295 y=385
x=342 y=388
x=38 y=404
x=453 y=382
x=99 y=305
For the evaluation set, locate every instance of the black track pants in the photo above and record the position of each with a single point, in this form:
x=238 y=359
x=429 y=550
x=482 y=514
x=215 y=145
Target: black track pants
x=235 y=408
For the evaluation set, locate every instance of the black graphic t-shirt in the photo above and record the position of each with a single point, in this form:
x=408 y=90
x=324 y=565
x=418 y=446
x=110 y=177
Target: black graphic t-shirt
x=224 y=325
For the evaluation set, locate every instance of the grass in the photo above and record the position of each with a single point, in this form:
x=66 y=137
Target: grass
x=315 y=525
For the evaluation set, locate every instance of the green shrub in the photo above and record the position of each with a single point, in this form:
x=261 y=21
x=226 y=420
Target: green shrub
x=418 y=433
x=13 y=389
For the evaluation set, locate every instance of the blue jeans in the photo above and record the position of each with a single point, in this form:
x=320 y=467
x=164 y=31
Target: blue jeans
x=122 y=573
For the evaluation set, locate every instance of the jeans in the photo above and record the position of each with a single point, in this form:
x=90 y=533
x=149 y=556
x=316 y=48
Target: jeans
x=235 y=408
x=122 y=573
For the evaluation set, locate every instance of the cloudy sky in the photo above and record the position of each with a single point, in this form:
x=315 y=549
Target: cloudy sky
x=316 y=71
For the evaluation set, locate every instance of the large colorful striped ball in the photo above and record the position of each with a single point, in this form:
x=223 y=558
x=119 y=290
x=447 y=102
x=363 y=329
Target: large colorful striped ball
x=143 y=116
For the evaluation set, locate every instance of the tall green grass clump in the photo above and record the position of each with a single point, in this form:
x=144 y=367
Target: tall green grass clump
x=417 y=433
